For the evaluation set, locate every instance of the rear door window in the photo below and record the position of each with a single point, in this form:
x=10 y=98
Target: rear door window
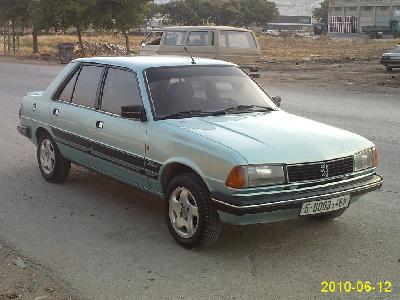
x=175 y=38
x=198 y=38
x=66 y=94
x=120 y=89
x=237 y=39
x=87 y=85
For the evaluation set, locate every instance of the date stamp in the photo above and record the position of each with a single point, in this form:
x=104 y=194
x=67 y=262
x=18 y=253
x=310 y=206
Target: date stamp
x=348 y=287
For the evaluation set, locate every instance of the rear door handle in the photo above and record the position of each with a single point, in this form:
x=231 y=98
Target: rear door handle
x=56 y=112
x=100 y=124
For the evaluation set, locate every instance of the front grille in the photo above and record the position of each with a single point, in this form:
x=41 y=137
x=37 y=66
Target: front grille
x=320 y=170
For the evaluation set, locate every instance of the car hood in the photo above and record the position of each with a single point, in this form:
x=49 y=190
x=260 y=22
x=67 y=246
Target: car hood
x=275 y=137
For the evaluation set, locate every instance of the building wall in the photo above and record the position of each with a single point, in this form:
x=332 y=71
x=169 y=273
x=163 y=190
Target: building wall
x=349 y=16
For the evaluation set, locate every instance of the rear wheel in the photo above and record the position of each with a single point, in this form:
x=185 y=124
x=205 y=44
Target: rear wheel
x=53 y=166
x=328 y=216
x=389 y=69
x=191 y=219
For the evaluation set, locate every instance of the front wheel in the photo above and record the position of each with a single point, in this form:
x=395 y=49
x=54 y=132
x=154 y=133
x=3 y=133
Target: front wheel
x=53 y=166
x=389 y=69
x=191 y=219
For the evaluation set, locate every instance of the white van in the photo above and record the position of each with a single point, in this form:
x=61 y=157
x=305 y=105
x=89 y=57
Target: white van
x=231 y=44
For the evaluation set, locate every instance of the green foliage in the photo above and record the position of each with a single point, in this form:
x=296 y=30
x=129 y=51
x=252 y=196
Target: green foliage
x=15 y=10
x=258 y=12
x=321 y=13
x=119 y=15
x=220 y=12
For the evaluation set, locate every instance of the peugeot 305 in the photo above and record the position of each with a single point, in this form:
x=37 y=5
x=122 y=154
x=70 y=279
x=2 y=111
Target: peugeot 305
x=200 y=134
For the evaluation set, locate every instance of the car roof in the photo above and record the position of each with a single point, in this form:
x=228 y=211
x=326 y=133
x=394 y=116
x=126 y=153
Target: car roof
x=186 y=28
x=140 y=63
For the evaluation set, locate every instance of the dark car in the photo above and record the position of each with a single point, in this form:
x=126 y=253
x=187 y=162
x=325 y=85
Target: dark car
x=391 y=59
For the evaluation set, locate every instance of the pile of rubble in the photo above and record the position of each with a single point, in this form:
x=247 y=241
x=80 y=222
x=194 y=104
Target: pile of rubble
x=98 y=49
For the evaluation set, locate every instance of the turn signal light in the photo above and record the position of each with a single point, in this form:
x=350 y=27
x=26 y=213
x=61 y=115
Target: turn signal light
x=237 y=178
x=376 y=158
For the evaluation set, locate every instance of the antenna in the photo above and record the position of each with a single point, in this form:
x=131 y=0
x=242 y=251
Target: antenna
x=187 y=51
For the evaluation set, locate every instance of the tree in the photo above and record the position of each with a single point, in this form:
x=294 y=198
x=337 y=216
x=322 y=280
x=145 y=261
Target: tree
x=228 y=12
x=258 y=12
x=181 y=13
x=120 y=15
x=321 y=13
x=43 y=16
x=14 y=12
x=76 y=13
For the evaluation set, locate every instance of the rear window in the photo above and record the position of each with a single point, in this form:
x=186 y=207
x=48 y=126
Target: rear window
x=175 y=38
x=237 y=39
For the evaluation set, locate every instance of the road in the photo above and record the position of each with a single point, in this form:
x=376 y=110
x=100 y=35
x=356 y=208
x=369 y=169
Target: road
x=108 y=241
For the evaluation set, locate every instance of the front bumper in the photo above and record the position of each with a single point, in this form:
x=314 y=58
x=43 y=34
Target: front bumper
x=240 y=206
x=390 y=62
x=24 y=130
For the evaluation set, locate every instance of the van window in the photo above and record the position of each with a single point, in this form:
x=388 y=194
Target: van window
x=120 y=89
x=154 y=38
x=87 y=85
x=176 y=38
x=198 y=38
x=237 y=39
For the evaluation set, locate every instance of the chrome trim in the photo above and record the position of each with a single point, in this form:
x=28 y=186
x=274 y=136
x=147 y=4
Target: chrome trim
x=321 y=161
x=300 y=200
x=348 y=180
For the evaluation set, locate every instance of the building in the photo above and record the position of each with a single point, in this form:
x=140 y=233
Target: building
x=291 y=24
x=351 y=16
x=296 y=7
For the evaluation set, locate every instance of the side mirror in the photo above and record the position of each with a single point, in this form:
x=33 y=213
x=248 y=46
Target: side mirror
x=136 y=112
x=277 y=100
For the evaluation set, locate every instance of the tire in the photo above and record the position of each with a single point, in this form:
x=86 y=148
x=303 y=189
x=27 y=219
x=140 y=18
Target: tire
x=389 y=69
x=52 y=165
x=328 y=216
x=184 y=194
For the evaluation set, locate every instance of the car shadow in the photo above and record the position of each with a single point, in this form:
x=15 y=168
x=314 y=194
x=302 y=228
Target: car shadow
x=299 y=234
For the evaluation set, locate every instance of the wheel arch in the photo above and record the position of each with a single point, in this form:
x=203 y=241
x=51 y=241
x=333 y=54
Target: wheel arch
x=39 y=131
x=173 y=169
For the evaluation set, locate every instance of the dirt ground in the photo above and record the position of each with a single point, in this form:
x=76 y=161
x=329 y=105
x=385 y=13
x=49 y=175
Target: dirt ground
x=20 y=278
x=23 y=279
x=274 y=48
x=355 y=76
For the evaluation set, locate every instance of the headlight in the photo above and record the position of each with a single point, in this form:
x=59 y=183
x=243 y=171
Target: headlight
x=255 y=175
x=365 y=159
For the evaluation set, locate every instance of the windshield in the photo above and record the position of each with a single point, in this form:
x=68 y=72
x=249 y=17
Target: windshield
x=204 y=89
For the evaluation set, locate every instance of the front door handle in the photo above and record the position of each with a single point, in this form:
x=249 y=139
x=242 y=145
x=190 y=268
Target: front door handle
x=100 y=124
x=56 y=112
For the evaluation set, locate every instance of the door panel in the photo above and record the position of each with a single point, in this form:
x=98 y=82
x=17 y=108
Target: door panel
x=72 y=112
x=71 y=129
x=119 y=147
x=119 y=143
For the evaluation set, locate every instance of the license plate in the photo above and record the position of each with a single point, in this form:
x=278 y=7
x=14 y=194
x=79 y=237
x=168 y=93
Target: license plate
x=323 y=206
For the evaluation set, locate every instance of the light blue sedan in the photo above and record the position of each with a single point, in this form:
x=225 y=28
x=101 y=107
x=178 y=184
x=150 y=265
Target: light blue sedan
x=200 y=134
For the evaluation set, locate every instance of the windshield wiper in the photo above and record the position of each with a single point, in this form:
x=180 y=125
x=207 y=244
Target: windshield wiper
x=183 y=114
x=243 y=108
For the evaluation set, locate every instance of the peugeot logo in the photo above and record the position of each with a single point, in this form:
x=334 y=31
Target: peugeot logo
x=324 y=170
